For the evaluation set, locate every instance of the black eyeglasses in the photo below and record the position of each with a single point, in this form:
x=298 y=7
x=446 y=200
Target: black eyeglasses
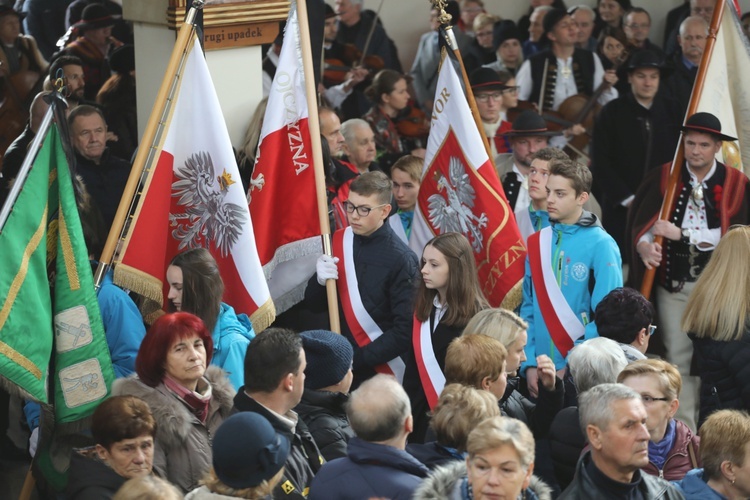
x=361 y=211
x=651 y=399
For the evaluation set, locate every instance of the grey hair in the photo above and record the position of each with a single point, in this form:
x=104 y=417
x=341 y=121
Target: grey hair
x=596 y=361
x=498 y=431
x=349 y=127
x=378 y=409
x=692 y=19
x=585 y=8
x=595 y=405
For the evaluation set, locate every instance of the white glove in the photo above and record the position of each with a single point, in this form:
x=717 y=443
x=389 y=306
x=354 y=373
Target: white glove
x=33 y=442
x=326 y=269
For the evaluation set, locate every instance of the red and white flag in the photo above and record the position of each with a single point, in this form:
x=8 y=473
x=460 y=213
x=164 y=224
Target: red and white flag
x=725 y=89
x=461 y=193
x=282 y=197
x=194 y=198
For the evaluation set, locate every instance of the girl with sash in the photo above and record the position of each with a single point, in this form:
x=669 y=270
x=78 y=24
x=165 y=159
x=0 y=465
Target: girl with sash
x=448 y=297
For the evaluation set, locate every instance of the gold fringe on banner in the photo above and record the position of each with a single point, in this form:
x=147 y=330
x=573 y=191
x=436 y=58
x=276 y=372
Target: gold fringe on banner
x=514 y=297
x=144 y=285
x=263 y=317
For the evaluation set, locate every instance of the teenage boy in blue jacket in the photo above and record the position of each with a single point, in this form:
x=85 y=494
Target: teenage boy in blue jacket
x=571 y=266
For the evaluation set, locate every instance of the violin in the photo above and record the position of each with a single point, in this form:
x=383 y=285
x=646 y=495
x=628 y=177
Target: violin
x=336 y=69
x=412 y=122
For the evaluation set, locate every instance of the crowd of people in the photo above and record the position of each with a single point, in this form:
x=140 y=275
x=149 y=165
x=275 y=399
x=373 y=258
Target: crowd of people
x=586 y=390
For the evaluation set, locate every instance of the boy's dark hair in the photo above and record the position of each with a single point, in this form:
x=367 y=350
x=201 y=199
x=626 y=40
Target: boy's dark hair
x=271 y=356
x=60 y=63
x=622 y=313
x=549 y=154
x=579 y=175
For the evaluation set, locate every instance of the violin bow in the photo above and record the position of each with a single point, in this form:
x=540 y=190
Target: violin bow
x=369 y=35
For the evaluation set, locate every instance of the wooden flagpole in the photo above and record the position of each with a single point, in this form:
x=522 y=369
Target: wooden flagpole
x=317 y=151
x=147 y=151
x=647 y=283
x=450 y=38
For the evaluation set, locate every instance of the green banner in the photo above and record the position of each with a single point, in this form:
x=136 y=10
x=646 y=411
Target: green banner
x=44 y=234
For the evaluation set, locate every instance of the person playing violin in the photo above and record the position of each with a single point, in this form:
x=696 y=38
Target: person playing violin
x=355 y=26
x=339 y=76
x=569 y=70
x=389 y=96
x=17 y=52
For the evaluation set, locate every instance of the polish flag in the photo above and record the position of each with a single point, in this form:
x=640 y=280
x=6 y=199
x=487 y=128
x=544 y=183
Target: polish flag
x=460 y=192
x=282 y=198
x=724 y=92
x=194 y=198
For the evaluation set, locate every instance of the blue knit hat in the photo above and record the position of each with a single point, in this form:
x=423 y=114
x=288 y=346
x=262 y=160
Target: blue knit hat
x=329 y=356
x=247 y=450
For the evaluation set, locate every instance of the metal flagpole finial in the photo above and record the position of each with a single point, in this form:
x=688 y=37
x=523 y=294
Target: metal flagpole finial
x=195 y=6
x=443 y=16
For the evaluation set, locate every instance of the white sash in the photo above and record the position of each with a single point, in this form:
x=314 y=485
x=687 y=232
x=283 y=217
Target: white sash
x=363 y=327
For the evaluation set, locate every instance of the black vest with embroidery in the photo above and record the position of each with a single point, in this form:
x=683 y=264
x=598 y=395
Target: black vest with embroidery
x=511 y=186
x=684 y=262
x=583 y=73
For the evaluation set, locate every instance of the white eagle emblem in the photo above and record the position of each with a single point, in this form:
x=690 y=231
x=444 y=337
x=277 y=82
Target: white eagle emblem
x=207 y=218
x=452 y=212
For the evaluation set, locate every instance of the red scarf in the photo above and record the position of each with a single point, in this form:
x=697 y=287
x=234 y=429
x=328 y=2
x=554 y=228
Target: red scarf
x=198 y=403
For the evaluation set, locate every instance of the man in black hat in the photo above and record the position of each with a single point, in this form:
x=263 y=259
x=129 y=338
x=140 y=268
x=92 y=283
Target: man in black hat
x=92 y=47
x=562 y=70
x=709 y=198
x=506 y=40
x=632 y=134
x=494 y=95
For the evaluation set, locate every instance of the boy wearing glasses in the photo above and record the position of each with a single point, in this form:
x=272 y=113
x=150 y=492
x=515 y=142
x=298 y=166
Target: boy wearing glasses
x=495 y=95
x=375 y=274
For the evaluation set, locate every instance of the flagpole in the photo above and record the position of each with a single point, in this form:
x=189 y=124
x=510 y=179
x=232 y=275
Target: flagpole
x=53 y=100
x=647 y=283
x=317 y=151
x=146 y=155
x=450 y=38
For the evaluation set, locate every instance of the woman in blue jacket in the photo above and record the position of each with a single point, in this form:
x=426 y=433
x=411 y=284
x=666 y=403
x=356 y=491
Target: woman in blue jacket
x=195 y=286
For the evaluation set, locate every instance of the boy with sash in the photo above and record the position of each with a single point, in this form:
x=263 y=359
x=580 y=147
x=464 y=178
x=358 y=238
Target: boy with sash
x=535 y=217
x=375 y=274
x=571 y=265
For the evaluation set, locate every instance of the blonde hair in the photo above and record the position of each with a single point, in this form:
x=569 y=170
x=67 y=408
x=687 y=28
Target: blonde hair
x=719 y=304
x=459 y=410
x=411 y=165
x=723 y=437
x=264 y=489
x=483 y=20
x=500 y=324
x=498 y=431
x=147 y=488
x=670 y=380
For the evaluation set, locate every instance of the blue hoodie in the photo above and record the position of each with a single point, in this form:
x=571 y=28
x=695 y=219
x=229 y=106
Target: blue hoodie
x=694 y=487
x=232 y=334
x=578 y=250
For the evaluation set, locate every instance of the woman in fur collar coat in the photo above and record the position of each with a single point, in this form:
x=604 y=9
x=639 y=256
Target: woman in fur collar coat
x=188 y=401
x=500 y=463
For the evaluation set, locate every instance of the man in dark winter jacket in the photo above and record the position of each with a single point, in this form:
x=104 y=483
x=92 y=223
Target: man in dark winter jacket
x=328 y=377
x=376 y=464
x=614 y=420
x=274 y=380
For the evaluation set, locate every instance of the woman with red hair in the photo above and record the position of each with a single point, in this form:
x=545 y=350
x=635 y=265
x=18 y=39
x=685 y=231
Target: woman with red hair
x=188 y=398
